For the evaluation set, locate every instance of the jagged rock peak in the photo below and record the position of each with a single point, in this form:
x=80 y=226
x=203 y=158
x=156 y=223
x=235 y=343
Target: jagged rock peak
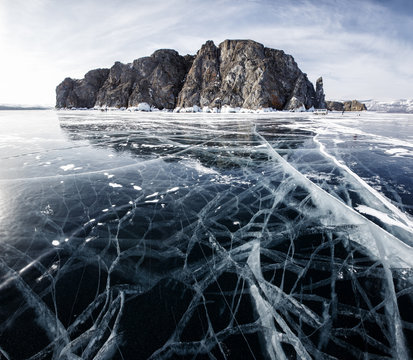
x=237 y=73
x=203 y=82
x=319 y=94
x=243 y=73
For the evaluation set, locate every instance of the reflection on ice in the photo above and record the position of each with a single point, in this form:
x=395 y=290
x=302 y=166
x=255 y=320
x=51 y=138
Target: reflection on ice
x=204 y=238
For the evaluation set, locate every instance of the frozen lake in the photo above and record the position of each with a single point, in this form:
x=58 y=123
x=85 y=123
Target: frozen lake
x=205 y=236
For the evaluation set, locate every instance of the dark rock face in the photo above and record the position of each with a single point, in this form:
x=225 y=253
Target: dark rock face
x=302 y=95
x=334 y=106
x=117 y=87
x=159 y=79
x=80 y=93
x=64 y=93
x=238 y=73
x=203 y=81
x=319 y=94
x=155 y=79
x=352 y=105
x=243 y=73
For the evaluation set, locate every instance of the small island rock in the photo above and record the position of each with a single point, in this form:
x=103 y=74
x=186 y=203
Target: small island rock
x=237 y=73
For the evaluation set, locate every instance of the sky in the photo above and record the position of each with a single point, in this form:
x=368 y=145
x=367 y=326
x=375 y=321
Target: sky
x=362 y=48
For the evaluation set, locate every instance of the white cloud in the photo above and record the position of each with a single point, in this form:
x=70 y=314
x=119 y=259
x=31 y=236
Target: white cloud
x=361 y=48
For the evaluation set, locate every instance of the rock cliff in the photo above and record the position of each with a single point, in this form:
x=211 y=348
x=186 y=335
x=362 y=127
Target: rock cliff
x=81 y=93
x=156 y=80
x=237 y=73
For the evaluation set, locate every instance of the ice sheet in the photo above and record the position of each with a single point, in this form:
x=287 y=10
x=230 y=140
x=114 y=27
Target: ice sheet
x=202 y=236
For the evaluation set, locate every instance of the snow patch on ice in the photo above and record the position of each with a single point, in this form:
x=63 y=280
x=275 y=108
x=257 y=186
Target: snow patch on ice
x=399 y=152
x=196 y=165
x=143 y=107
x=174 y=189
x=152 y=201
x=226 y=109
x=300 y=109
x=67 y=167
x=381 y=216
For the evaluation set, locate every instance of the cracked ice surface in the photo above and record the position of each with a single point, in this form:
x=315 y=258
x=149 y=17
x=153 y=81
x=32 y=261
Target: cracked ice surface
x=163 y=236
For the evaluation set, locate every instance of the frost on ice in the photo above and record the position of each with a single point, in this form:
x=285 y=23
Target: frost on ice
x=230 y=247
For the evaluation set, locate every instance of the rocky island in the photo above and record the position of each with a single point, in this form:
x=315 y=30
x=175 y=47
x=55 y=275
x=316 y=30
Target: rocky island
x=236 y=73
